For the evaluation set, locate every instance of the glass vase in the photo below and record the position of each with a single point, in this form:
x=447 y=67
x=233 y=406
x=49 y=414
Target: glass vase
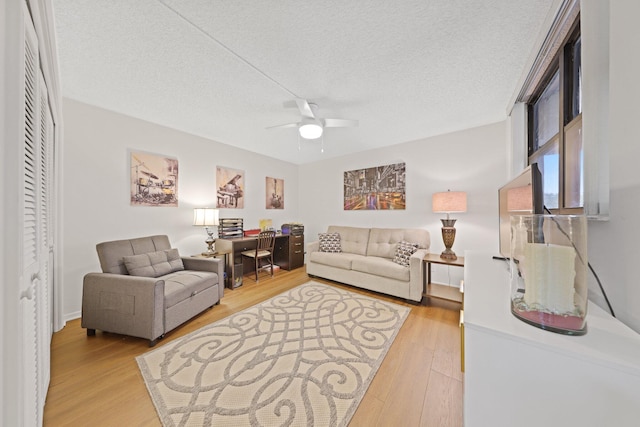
x=549 y=272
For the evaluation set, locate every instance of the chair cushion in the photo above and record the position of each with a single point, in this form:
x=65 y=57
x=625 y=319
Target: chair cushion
x=252 y=253
x=404 y=250
x=154 y=264
x=330 y=242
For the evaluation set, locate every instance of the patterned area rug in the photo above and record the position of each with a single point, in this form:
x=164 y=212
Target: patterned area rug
x=305 y=357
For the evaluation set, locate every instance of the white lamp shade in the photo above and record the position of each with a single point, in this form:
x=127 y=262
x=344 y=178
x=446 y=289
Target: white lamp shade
x=205 y=217
x=520 y=199
x=310 y=130
x=449 y=201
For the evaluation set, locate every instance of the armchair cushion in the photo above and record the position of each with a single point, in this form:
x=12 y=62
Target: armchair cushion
x=154 y=264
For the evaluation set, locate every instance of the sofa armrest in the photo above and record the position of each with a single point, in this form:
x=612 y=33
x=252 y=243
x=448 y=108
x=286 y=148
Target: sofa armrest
x=215 y=265
x=416 y=274
x=313 y=246
x=124 y=304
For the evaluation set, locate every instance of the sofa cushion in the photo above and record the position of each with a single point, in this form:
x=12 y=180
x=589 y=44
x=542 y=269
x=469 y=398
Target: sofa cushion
x=404 y=251
x=174 y=260
x=181 y=285
x=340 y=260
x=352 y=239
x=329 y=242
x=154 y=264
x=111 y=253
x=384 y=241
x=379 y=266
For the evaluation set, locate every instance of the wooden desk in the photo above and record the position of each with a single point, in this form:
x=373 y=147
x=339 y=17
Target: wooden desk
x=435 y=290
x=288 y=253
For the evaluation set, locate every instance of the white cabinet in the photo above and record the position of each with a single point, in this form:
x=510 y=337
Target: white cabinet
x=520 y=375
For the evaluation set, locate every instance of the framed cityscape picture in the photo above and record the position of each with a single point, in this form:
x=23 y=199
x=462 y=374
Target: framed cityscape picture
x=376 y=188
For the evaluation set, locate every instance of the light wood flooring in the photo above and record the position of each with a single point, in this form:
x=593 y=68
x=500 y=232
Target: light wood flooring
x=95 y=380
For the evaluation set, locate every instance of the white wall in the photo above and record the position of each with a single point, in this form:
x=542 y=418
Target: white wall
x=96 y=188
x=613 y=245
x=472 y=160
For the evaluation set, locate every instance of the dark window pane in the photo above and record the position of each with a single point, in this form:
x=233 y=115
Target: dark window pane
x=546 y=112
x=576 y=78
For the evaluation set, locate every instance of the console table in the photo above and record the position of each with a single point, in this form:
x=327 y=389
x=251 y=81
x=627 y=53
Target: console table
x=288 y=254
x=520 y=375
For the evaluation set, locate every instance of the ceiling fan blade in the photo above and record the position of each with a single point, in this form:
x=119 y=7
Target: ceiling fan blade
x=305 y=108
x=288 y=125
x=340 y=123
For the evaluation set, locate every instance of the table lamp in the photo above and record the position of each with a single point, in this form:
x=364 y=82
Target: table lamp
x=449 y=202
x=207 y=217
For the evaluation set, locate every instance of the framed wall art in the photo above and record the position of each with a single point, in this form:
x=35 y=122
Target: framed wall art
x=230 y=184
x=154 y=179
x=376 y=188
x=274 y=193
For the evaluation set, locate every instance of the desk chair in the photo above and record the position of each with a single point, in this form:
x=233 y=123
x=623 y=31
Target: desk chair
x=264 y=249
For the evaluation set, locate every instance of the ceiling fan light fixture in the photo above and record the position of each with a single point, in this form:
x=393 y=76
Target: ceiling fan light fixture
x=310 y=130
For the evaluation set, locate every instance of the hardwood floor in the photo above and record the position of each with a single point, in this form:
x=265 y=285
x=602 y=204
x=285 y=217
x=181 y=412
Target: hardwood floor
x=95 y=380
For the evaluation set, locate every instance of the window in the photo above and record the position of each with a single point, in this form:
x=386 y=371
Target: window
x=555 y=127
x=545 y=114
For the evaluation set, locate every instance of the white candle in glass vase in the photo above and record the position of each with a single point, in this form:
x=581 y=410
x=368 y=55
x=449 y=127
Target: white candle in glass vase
x=549 y=274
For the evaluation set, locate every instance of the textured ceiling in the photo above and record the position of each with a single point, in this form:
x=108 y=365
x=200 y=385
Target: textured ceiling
x=405 y=69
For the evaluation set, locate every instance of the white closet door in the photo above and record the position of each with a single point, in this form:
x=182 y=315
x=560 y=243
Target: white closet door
x=35 y=292
x=43 y=294
x=30 y=245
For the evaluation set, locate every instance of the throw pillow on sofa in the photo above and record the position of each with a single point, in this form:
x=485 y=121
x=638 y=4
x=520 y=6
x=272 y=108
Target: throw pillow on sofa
x=330 y=242
x=404 y=250
x=154 y=264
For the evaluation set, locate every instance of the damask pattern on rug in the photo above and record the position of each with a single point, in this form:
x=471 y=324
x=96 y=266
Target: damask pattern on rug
x=305 y=357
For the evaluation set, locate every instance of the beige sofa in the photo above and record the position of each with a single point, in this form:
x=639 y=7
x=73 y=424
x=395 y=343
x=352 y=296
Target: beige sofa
x=146 y=289
x=366 y=260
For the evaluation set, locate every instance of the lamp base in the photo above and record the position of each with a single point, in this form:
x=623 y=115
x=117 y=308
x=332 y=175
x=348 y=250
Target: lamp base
x=448 y=237
x=211 y=249
x=448 y=254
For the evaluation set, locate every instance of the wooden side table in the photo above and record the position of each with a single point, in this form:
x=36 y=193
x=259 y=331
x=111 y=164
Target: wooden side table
x=435 y=290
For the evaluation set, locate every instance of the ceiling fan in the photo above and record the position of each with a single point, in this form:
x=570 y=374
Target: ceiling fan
x=311 y=126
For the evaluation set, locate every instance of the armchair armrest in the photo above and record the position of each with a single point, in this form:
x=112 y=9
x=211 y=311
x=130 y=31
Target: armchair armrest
x=313 y=246
x=215 y=265
x=123 y=304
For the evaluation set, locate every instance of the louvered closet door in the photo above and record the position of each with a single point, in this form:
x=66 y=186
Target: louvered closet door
x=43 y=291
x=35 y=306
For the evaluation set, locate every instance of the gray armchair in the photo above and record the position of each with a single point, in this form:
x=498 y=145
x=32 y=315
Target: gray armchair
x=146 y=289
